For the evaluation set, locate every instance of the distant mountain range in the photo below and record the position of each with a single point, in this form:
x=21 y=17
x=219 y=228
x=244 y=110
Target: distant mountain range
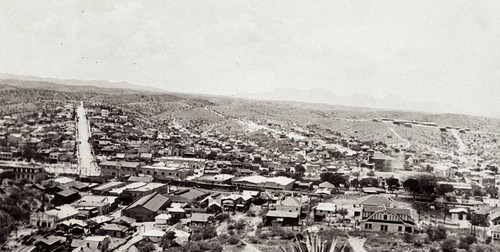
x=318 y=95
x=48 y=83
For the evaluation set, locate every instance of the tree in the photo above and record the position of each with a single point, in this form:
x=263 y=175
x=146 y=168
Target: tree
x=145 y=245
x=479 y=220
x=492 y=191
x=222 y=217
x=369 y=182
x=212 y=155
x=493 y=169
x=449 y=245
x=442 y=189
x=335 y=178
x=392 y=183
x=355 y=182
x=371 y=174
x=466 y=241
x=343 y=212
x=436 y=233
x=168 y=239
x=300 y=169
x=408 y=238
x=427 y=184
x=421 y=184
x=296 y=176
x=411 y=185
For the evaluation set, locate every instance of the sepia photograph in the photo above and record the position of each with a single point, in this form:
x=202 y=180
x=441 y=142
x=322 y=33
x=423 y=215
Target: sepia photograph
x=250 y=126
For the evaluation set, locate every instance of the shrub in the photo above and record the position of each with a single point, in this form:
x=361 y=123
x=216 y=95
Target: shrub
x=449 y=245
x=418 y=243
x=287 y=235
x=488 y=240
x=240 y=225
x=408 y=238
x=233 y=240
x=254 y=240
x=436 y=233
x=250 y=213
x=196 y=237
x=222 y=217
x=466 y=241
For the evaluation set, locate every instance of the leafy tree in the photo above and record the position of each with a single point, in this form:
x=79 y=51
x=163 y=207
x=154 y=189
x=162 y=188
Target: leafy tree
x=300 y=169
x=392 y=183
x=436 y=233
x=493 y=169
x=449 y=245
x=145 y=245
x=411 y=185
x=204 y=233
x=7 y=174
x=427 y=184
x=335 y=178
x=408 y=238
x=492 y=191
x=479 y=220
x=343 y=212
x=355 y=183
x=212 y=155
x=233 y=240
x=369 y=182
x=296 y=176
x=466 y=241
x=421 y=184
x=222 y=217
x=442 y=189
x=168 y=239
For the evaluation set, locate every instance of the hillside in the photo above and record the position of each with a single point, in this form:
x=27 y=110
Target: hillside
x=201 y=113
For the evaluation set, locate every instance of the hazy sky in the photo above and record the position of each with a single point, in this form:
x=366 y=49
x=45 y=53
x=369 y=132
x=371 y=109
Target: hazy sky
x=446 y=50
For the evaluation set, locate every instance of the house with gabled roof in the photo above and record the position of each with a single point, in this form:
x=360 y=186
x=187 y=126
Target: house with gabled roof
x=290 y=204
x=236 y=202
x=385 y=219
x=283 y=218
x=372 y=200
x=324 y=210
x=114 y=230
x=147 y=207
x=326 y=185
x=495 y=232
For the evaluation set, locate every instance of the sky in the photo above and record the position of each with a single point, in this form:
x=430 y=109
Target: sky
x=445 y=51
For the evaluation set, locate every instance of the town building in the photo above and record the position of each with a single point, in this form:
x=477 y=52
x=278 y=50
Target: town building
x=384 y=219
x=147 y=207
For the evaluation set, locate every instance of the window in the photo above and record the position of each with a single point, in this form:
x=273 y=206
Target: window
x=385 y=216
x=162 y=173
x=368 y=226
x=383 y=227
x=400 y=229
